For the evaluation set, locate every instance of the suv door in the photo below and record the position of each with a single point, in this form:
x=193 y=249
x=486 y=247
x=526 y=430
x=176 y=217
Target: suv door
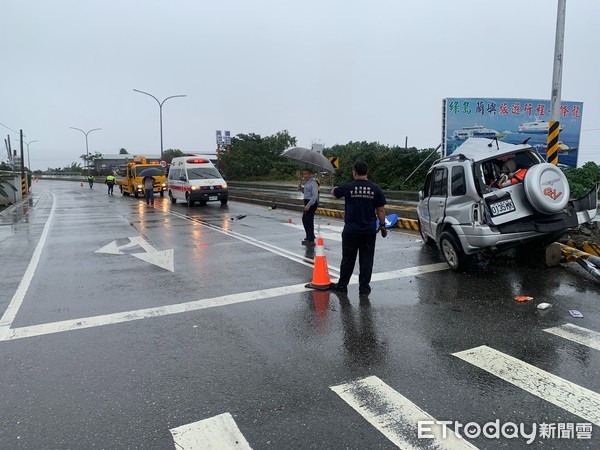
x=438 y=193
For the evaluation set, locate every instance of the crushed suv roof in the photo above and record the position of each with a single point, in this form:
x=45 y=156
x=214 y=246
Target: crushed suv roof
x=479 y=149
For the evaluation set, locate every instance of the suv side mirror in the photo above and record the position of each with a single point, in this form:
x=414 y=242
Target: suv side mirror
x=182 y=179
x=421 y=195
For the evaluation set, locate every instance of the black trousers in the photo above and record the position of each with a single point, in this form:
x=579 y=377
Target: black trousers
x=308 y=220
x=110 y=187
x=362 y=245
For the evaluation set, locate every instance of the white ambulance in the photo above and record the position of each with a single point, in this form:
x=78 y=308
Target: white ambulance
x=195 y=179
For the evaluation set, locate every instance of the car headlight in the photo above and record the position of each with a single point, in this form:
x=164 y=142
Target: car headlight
x=139 y=186
x=164 y=185
x=224 y=185
x=195 y=188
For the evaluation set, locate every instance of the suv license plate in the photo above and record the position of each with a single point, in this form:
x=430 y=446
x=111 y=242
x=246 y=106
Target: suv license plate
x=214 y=197
x=502 y=207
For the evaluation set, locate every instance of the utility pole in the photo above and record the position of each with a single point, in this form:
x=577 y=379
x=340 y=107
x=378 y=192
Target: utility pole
x=23 y=179
x=554 y=126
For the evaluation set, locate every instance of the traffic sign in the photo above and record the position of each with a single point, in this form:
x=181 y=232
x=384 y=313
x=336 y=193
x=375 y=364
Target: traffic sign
x=219 y=138
x=334 y=161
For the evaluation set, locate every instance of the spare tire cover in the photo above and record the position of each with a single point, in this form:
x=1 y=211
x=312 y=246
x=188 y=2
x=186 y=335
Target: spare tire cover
x=546 y=188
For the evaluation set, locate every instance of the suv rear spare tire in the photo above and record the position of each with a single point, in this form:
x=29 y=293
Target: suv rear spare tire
x=546 y=188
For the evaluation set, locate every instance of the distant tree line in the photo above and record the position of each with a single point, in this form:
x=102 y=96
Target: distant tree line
x=253 y=157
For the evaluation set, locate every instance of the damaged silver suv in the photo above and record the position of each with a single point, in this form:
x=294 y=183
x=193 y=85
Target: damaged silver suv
x=491 y=195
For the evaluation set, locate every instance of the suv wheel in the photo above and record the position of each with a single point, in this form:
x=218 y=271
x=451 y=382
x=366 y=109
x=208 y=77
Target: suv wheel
x=452 y=251
x=173 y=199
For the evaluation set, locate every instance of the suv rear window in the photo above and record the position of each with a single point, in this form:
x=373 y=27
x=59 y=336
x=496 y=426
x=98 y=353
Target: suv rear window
x=458 y=181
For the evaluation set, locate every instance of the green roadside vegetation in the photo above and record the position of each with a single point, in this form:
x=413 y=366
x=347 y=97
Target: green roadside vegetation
x=252 y=157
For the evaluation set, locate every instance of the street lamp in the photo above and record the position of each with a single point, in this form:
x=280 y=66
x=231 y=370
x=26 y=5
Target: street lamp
x=160 y=104
x=87 y=152
x=27 y=144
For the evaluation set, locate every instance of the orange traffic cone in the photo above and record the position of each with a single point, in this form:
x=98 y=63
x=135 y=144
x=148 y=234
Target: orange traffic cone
x=321 y=280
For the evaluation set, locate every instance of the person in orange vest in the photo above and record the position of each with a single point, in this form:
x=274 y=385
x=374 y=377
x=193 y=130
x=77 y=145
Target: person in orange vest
x=511 y=175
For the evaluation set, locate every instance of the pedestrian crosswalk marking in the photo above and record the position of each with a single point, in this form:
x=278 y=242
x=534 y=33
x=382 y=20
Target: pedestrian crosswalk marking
x=394 y=415
x=577 y=334
x=218 y=432
x=577 y=400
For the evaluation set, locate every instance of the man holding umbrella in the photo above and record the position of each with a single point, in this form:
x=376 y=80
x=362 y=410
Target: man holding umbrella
x=311 y=203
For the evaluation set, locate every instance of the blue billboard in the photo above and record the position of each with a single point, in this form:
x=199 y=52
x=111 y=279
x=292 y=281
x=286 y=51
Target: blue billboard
x=511 y=120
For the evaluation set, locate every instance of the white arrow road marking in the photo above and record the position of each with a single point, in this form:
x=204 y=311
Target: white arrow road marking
x=112 y=249
x=160 y=258
x=218 y=432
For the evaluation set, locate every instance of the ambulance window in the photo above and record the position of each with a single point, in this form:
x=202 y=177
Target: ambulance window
x=174 y=174
x=203 y=173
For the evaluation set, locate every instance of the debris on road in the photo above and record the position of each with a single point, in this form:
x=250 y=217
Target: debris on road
x=575 y=313
x=544 y=306
x=241 y=216
x=523 y=298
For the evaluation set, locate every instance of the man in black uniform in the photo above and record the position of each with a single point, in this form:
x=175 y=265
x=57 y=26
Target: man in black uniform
x=364 y=204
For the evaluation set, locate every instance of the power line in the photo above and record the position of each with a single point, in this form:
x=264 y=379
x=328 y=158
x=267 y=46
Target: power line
x=8 y=128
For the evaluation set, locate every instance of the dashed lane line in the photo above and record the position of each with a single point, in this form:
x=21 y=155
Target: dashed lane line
x=395 y=416
x=218 y=432
x=569 y=396
x=577 y=334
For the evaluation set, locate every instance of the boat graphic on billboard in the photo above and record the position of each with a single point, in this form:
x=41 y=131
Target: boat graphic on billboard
x=511 y=120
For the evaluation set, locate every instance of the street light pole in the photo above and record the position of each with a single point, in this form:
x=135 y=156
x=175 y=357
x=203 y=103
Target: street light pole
x=87 y=151
x=160 y=105
x=28 y=161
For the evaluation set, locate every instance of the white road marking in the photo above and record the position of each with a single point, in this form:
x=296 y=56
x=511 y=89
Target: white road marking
x=309 y=262
x=159 y=311
x=218 y=432
x=15 y=304
x=577 y=334
x=163 y=259
x=328 y=236
x=558 y=391
x=394 y=415
x=160 y=258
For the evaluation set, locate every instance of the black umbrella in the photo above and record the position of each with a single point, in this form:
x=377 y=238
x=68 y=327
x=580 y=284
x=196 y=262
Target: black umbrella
x=151 y=171
x=309 y=157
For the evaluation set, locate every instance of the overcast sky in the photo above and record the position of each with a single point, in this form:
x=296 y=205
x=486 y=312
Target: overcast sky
x=327 y=71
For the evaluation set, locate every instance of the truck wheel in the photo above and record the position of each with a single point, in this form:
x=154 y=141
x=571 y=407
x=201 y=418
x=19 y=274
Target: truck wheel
x=452 y=251
x=173 y=199
x=189 y=200
x=224 y=201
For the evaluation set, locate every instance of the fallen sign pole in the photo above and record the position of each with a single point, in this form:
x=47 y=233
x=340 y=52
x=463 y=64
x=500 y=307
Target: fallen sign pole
x=589 y=263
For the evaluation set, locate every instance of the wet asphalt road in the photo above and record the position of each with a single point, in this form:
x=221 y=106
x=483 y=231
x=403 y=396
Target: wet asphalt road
x=94 y=355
